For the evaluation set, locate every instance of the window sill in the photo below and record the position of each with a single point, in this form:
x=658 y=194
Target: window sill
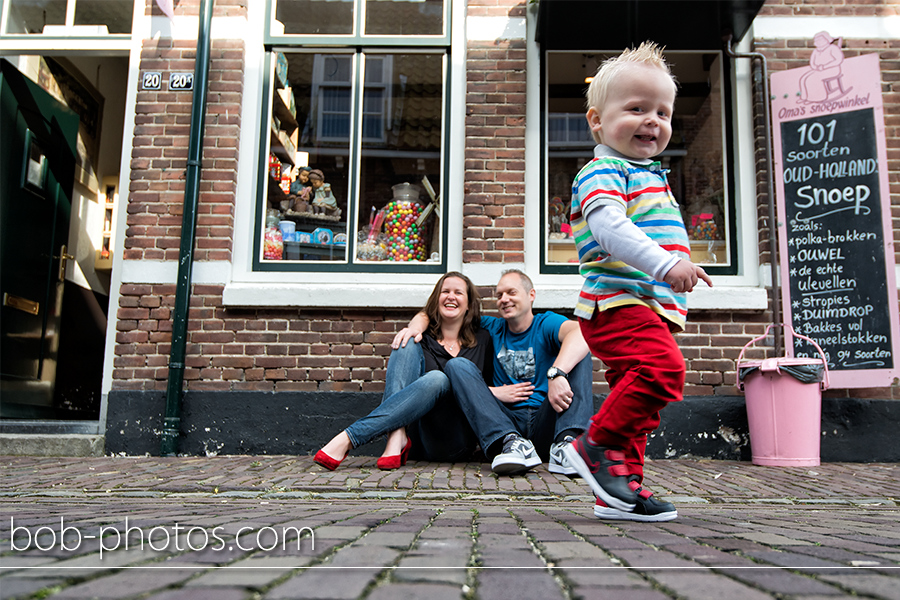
x=413 y=296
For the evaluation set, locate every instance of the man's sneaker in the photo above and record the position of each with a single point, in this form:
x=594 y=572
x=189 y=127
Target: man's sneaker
x=605 y=471
x=647 y=509
x=518 y=456
x=558 y=462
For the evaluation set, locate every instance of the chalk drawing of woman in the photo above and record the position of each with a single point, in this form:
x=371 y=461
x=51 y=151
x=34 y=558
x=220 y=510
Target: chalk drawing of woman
x=824 y=63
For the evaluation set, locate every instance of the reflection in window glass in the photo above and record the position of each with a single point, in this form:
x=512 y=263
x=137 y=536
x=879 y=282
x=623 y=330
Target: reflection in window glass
x=314 y=17
x=401 y=158
x=35 y=166
x=115 y=14
x=695 y=156
x=404 y=17
x=313 y=192
x=30 y=16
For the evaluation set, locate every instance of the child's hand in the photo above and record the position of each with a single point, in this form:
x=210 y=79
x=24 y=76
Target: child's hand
x=685 y=275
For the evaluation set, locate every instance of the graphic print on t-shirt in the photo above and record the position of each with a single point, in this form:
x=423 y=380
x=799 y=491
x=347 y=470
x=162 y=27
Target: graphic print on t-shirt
x=518 y=364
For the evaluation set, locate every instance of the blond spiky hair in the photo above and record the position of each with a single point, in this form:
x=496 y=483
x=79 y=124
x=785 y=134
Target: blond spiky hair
x=648 y=53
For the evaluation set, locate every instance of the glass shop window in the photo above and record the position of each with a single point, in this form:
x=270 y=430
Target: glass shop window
x=354 y=155
x=368 y=17
x=696 y=157
x=69 y=17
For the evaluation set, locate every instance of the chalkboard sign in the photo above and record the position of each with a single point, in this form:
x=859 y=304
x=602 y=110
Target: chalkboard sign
x=835 y=251
x=834 y=220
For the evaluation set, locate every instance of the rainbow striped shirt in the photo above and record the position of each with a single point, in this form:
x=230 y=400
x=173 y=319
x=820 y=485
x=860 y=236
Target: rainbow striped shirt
x=640 y=188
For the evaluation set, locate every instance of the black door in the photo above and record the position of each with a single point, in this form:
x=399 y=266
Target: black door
x=37 y=166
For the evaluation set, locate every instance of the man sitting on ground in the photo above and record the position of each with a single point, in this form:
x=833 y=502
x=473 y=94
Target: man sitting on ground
x=542 y=397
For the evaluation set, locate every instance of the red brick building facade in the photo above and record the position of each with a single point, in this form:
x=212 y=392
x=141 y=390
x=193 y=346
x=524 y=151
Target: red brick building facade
x=322 y=362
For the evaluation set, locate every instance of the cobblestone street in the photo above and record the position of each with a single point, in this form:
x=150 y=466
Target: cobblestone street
x=279 y=527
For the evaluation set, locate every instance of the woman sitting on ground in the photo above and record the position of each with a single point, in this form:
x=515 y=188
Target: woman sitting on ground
x=418 y=402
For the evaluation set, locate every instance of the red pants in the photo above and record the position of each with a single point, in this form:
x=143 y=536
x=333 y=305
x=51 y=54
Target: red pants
x=645 y=371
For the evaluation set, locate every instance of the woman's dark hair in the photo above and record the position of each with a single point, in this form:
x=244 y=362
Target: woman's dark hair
x=470 y=321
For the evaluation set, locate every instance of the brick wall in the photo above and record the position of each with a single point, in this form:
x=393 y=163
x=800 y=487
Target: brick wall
x=159 y=156
x=347 y=350
x=496 y=8
x=221 y=8
x=828 y=8
x=494 y=206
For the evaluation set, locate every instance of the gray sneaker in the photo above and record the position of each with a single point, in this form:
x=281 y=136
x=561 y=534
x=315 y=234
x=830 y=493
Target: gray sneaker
x=558 y=461
x=518 y=456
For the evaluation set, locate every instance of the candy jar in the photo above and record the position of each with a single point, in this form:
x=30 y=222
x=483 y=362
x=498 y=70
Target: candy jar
x=273 y=245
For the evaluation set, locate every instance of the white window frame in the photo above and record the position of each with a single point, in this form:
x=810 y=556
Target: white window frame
x=248 y=288
x=69 y=29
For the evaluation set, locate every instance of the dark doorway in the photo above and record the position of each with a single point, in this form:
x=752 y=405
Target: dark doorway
x=37 y=168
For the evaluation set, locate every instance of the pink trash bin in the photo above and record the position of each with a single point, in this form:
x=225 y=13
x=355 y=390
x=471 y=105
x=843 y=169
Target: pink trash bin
x=784 y=414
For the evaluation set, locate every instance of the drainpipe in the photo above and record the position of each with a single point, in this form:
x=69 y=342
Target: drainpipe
x=172 y=422
x=770 y=183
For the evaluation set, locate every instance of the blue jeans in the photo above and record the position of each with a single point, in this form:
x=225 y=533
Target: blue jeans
x=424 y=404
x=492 y=419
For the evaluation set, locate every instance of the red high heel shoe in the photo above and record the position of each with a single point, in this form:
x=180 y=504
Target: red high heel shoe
x=394 y=461
x=326 y=461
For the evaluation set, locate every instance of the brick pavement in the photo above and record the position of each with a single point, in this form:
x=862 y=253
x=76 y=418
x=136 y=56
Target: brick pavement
x=281 y=527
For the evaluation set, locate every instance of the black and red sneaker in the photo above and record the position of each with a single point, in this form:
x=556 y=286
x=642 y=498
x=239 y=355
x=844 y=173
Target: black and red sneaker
x=605 y=471
x=647 y=509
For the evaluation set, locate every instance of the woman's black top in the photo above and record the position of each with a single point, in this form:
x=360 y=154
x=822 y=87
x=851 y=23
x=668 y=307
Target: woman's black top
x=482 y=354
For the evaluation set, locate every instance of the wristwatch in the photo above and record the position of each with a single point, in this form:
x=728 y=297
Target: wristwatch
x=554 y=372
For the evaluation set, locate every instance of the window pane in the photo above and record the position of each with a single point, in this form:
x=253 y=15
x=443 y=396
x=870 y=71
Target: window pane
x=115 y=14
x=337 y=69
x=401 y=158
x=694 y=156
x=335 y=113
x=310 y=127
x=30 y=16
x=314 y=17
x=406 y=17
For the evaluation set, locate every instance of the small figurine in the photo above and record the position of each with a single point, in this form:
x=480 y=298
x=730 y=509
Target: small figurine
x=323 y=200
x=316 y=181
x=300 y=185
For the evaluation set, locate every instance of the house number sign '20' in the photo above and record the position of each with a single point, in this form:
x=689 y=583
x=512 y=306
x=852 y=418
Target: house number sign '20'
x=152 y=80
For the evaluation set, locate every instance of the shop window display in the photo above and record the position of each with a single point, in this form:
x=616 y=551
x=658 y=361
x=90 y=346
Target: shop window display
x=354 y=178
x=695 y=157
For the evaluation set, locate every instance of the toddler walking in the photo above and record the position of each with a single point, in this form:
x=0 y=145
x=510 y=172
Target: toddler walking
x=635 y=258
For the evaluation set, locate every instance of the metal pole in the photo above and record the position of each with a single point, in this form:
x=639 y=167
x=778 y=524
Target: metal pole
x=770 y=183
x=172 y=422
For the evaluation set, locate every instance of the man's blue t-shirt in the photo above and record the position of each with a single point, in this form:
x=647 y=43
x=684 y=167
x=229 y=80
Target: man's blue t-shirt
x=525 y=357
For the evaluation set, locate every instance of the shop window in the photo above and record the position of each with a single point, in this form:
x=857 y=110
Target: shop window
x=357 y=144
x=69 y=17
x=697 y=156
x=363 y=17
x=354 y=161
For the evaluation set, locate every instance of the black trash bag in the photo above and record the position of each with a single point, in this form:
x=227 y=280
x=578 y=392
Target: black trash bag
x=811 y=373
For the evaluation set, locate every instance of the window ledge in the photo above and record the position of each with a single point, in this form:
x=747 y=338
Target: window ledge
x=364 y=295
x=702 y=298
x=337 y=295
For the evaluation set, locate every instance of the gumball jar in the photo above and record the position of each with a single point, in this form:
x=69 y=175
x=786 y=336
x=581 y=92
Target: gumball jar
x=405 y=240
x=705 y=230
